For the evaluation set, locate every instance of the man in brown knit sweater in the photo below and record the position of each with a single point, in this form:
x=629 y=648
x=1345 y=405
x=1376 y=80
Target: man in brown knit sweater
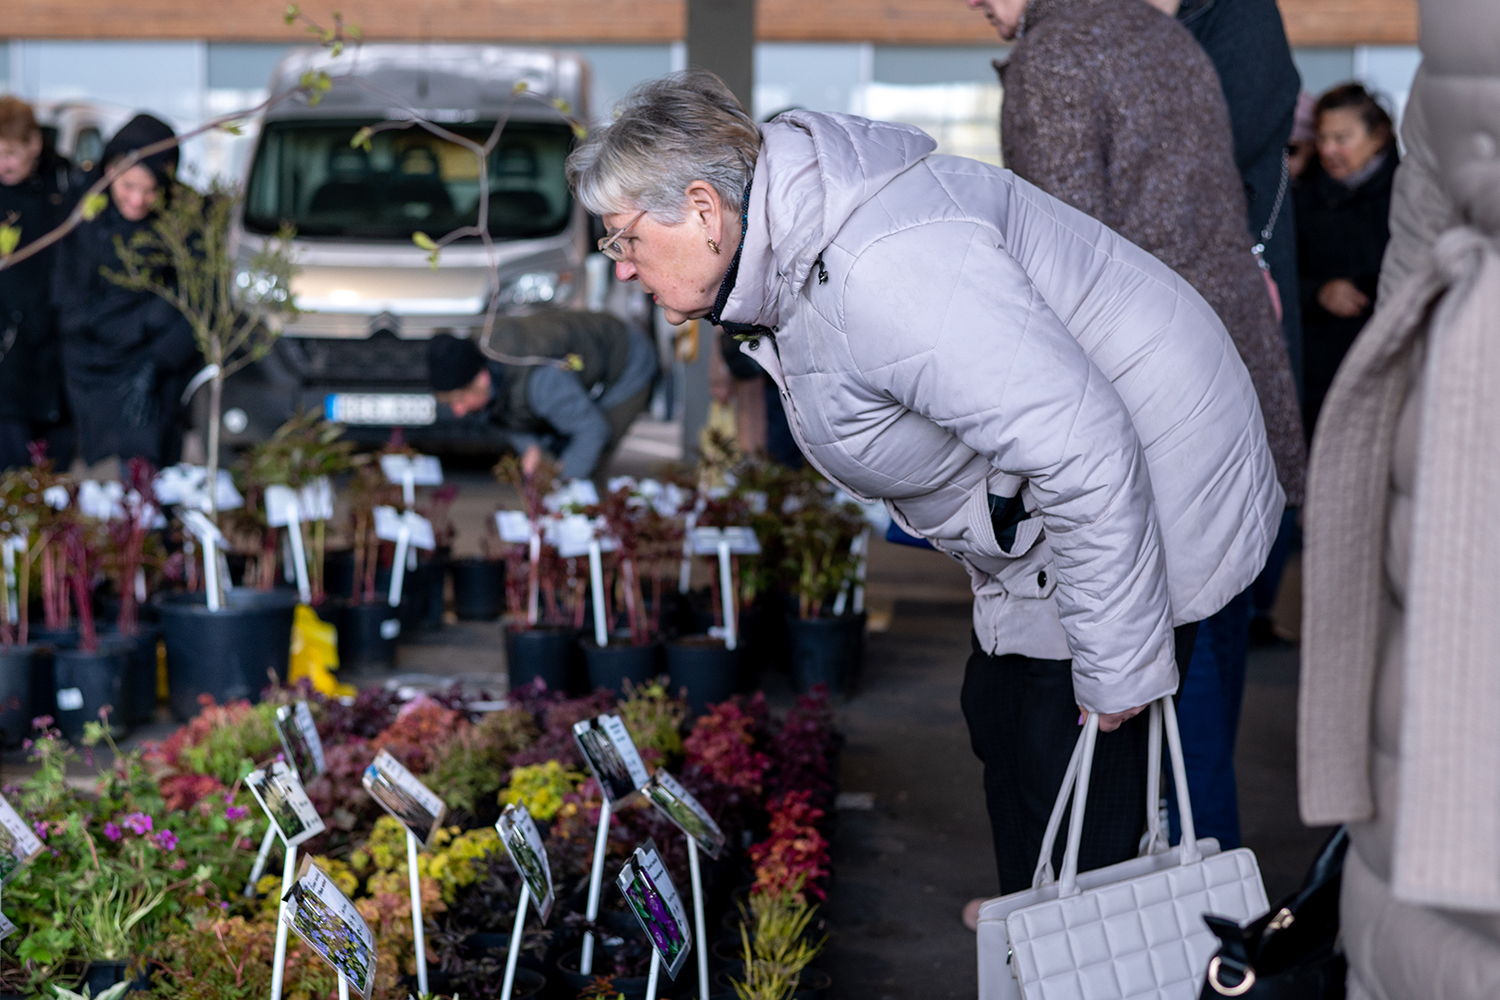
x=1111 y=106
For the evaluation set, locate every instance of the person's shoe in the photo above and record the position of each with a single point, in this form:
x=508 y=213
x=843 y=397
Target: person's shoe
x=971 y=912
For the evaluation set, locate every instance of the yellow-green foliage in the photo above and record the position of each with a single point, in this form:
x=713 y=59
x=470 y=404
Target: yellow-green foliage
x=451 y=861
x=654 y=718
x=540 y=787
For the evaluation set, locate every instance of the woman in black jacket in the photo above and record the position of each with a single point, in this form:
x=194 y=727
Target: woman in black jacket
x=127 y=354
x=1343 y=202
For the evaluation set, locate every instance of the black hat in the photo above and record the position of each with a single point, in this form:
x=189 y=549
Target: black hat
x=452 y=362
x=141 y=131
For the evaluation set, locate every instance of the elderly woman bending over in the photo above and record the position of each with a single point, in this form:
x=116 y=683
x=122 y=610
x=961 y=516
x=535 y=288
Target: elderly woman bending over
x=1033 y=394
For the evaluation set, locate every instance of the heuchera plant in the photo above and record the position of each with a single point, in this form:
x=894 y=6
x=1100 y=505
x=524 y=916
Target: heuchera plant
x=794 y=858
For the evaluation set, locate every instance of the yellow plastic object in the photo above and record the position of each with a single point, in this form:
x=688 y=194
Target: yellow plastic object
x=315 y=653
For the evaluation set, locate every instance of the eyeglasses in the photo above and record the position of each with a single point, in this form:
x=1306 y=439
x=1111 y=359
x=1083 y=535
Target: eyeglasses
x=609 y=245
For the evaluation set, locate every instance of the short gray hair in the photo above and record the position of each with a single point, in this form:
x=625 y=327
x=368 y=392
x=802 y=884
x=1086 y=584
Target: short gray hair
x=666 y=134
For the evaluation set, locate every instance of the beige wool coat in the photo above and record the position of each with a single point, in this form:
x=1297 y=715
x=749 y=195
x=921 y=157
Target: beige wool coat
x=1399 y=720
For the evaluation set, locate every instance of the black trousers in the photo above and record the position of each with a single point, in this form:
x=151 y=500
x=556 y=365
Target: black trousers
x=1023 y=725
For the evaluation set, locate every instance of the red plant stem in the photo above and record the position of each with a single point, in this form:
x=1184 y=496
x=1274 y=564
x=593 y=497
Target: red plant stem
x=632 y=612
x=714 y=597
x=580 y=588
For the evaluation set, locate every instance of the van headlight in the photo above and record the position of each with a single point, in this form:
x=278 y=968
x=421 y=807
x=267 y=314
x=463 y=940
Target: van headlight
x=537 y=288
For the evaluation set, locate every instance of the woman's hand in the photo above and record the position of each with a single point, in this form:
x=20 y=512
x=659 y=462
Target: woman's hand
x=1108 y=723
x=1341 y=298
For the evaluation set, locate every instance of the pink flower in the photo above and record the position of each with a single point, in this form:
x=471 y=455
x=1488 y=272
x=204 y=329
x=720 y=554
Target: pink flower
x=113 y=831
x=166 y=840
x=236 y=813
x=138 y=824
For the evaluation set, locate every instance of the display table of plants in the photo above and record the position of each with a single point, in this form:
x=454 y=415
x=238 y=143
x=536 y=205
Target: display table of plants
x=141 y=877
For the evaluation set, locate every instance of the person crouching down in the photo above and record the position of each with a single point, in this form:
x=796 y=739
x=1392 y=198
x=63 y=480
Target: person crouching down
x=581 y=379
x=1026 y=389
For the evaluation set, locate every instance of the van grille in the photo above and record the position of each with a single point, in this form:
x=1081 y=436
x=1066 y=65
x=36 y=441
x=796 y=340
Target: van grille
x=381 y=359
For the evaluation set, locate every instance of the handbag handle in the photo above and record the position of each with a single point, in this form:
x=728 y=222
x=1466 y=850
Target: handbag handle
x=1076 y=778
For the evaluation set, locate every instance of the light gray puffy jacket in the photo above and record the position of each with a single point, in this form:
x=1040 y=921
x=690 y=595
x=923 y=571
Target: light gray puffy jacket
x=946 y=332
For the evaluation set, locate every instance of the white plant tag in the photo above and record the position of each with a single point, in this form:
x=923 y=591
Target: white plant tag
x=572 y=534
x=101 y=500
x=523 y=842
x=403 y=796
x=316 y=500
x=612 y=756
x=300 y=740
x=19 y=844
x=202 y=528
x=281 y=506
x=281 y=795
x=678 y=805
x=742 y=541
x=69 y=699
x=514 y=526
x=323 y=916
x=426 y=470
x=389 y=521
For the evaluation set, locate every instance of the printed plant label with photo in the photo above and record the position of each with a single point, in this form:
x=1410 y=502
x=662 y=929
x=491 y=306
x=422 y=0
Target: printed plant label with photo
x=300 y=740
x=678 y=805
x=6 y=927
x=403 y=796
x=612 y=756
x=281 y=795
x=653 y=899
x=324 y=917
x=18 y=842
x=523 y=842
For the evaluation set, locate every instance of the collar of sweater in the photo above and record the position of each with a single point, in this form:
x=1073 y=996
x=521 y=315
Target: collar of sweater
x=1039 y=10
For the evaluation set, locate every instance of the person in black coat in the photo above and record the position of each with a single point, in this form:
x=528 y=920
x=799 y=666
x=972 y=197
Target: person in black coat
x=128 y=355
x=1246 y=41
x=1343 y=204
x=34 y=193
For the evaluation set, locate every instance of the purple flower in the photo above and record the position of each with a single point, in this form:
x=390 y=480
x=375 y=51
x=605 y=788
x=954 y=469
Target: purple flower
x=166 y=840
x=113 y=831
x=41 y=829
x=236 y=813
x=138 y=824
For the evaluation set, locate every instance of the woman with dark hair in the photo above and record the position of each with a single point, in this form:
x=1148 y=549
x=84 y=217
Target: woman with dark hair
x=1342 y=207
x=127 y=354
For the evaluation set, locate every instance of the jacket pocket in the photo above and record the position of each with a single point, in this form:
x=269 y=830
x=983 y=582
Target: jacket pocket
x=1010 y=545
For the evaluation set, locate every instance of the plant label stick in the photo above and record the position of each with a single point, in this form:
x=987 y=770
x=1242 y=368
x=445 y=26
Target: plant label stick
x=299 y=738
x=283 y=511
x=409 y=530
x=416 y=911
x=726 y=589
x=652 y=899
x=259 y=868
x=403 y=796
x=515 y=941
x=698 y=922
x=343 y=987
x=212 y=538
x=617 y=766
x=654 y=975
x=596 y=879
x=278 y=963
x=323 y=916
x=19 y=844
x=411 y=471
x=280 y=794
x=527 y=852
x=596 y=582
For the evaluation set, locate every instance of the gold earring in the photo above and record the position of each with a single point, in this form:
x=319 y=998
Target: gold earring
x=713 y=244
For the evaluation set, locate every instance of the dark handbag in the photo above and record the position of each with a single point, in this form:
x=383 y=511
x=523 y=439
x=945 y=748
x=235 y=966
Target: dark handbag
x=1292 y=952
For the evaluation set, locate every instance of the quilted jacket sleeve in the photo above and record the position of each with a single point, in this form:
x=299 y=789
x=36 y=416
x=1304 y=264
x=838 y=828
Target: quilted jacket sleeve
x=947 y=323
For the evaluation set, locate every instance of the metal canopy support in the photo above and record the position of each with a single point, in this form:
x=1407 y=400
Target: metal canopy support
x=721 y=39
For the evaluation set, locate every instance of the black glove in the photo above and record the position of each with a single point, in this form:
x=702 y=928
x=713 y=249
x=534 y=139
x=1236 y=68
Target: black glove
x=138 y=397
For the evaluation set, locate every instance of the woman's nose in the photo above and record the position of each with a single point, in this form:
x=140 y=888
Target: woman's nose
x=624 y=271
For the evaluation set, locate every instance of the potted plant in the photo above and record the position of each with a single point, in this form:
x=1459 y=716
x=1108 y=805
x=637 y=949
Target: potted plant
x=132 y=551
x=544 y=593
x=825 y=638
x=645 y=539
x=90 y=676
x=236 y=309
x=700 y=661
x=28 y=525
x=368 y=625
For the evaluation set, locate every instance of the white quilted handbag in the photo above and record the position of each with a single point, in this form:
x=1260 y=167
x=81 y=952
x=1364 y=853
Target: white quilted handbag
x=1131 y=930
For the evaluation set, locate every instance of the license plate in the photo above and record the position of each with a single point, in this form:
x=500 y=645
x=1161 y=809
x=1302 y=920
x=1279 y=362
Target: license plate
x=386 y=408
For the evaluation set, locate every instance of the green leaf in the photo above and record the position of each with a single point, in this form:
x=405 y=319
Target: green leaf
x=521 y=87
x=292 y=13
x=338 y=47
x=10 y=238
x=432 y=260
x=562 y=105
x=579 y=131
x=233 y=128
x=574 y=362
x=424 y=242
x=361 y=139
x=352 y=32
x=94 y=204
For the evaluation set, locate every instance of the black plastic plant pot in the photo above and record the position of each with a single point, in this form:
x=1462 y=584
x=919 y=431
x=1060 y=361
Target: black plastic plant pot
x=478 y=589
x=826 y=651
x=367 y=635
x=628 y=987
x=87 y=682
x=228 y=654
x=102 y=975
x=138 y=689
x=545 y=654
x=708 y=670
x=16 y=706
x=812 y=984
x=611 y=666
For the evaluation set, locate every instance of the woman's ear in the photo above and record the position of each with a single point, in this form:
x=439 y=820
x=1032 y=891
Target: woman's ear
x=705 y=208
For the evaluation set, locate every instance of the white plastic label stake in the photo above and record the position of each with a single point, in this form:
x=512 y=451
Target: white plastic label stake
x=515 y=941
x=278 y=964
x=514 y=526
x=283 y=510
x=412 y=471
x=655 y=976
x=416 y=910
x=726 y=592
x=343 y=987
x=408 y=530
x=697 y=876
x=596 y=879
x=534 y=587
x=596 y=582
x=211 y=537
x=259 y=868
x=8 y=548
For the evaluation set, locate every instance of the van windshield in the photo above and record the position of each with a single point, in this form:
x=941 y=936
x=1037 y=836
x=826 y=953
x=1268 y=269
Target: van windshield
x=307 y=174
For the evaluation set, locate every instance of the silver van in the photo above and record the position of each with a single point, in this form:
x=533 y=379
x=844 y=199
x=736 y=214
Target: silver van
x=370 y=298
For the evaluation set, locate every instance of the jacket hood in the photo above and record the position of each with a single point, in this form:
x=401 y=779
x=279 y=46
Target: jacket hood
x=138 y=133
x=814 y=171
